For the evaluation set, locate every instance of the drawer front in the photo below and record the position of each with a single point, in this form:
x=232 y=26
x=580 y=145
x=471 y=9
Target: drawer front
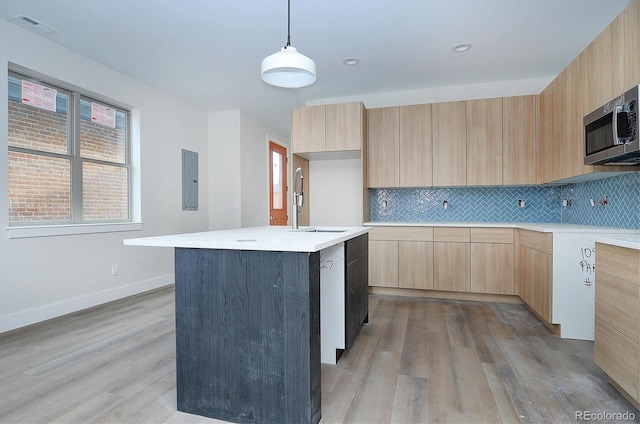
x=619 y=261
x=535 y=240
x=492 y=235
x=618 y=304
x=356 y=247
x=452 y=234
x=402 y=233
x=617 y=355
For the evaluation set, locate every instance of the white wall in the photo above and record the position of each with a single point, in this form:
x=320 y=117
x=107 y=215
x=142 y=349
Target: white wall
x=255 y=169
x=335 y=192
x=239 y=164
x=44 y=277
x=224 y=166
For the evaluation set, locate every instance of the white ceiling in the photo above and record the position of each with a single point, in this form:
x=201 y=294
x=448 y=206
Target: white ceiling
x=209 y=52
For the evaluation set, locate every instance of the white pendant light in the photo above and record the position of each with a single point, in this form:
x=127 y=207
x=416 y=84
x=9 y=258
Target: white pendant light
x=288 y=68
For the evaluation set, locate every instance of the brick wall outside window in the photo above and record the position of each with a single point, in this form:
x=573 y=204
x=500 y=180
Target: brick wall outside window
x=37 y=129
x=39 y=188
x=100 y=142
x=40 y=185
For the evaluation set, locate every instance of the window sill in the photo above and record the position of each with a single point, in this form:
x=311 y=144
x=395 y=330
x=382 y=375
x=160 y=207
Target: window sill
x=65 y=230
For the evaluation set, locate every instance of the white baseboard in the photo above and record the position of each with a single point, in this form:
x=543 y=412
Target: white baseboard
x=42 y=313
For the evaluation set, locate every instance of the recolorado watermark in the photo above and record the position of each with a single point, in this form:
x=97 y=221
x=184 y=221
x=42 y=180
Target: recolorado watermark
x=605 y=416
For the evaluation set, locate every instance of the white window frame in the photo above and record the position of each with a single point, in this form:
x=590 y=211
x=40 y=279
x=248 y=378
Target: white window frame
x=77 y=225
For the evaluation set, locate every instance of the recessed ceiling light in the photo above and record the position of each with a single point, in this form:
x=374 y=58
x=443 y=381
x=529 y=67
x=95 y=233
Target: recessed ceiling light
x=351 y=61
x=462 y=47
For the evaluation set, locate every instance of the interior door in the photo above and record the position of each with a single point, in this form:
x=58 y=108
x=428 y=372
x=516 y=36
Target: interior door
x=277 y=184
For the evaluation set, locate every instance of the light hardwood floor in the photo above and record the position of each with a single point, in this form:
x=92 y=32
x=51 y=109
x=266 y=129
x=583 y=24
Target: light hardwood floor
x=417 y=361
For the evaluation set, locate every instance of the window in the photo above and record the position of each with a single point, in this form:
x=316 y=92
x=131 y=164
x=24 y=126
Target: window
x=69 y=156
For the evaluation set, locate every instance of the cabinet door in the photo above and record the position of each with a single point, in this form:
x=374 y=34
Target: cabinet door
x=383 y=263
x=617 y=355
x=484 y=142
x=519 y=143
x=449 y=144
x=383 y=147
x=492 y=268
x=356 y=286
x=416 y=149
x=343 y=126
x=415 y=269
x=451 y=267
x=617 y=303
x=535 y=280
x=307 y=129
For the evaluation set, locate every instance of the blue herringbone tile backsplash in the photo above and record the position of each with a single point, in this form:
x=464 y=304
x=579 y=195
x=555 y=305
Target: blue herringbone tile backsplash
x=623 y=204
x=500 y=204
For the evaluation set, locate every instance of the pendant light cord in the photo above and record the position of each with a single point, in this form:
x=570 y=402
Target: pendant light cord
x=288 y=24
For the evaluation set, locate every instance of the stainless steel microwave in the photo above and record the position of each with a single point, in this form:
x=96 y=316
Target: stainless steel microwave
x=611 y=132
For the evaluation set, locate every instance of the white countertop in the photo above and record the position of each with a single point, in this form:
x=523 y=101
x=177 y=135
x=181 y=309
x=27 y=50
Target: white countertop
x=631 y=241
x=552 y=227
x=271 y=238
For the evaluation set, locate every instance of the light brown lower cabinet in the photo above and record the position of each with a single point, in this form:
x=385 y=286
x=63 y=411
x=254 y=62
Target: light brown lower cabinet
x=451 y=267
x=415 y=265
x=401 y=257
x=492 y=260
x=534 y=271
x=457 y=259
x=492 y=268
x=383 y=263
x=617 y=333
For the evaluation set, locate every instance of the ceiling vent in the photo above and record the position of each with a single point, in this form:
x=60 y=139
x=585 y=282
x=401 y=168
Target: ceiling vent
x=35 y=24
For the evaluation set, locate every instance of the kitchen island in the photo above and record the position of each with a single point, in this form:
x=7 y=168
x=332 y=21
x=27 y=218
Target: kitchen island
x=248 y=319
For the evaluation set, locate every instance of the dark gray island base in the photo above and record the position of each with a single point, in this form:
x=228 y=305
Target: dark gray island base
x=248 y=335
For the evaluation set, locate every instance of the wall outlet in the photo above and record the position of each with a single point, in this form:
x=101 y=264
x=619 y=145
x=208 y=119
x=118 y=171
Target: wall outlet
x=521 y=203
x=114 y=269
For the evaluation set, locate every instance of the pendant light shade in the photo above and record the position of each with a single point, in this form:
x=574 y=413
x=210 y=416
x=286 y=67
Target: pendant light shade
x=288 y=68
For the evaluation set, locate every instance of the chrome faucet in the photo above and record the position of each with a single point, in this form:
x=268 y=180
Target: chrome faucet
x=298 y=196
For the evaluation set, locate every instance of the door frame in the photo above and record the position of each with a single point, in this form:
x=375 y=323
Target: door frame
x=286 y=147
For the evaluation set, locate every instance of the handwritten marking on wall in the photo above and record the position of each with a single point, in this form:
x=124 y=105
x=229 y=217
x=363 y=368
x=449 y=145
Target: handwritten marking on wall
x=587 y=264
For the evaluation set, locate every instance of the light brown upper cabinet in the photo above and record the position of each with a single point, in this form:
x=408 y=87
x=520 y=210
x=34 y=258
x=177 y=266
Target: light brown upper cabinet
x=613 y=58
x=609 y=66
x=327 y=128
x=519 y=140
x=383 y=150
x=416 y=151
x=484 y=142
x=344 y=129
x=399 y=146
x=449 y=144
x=307 y=129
